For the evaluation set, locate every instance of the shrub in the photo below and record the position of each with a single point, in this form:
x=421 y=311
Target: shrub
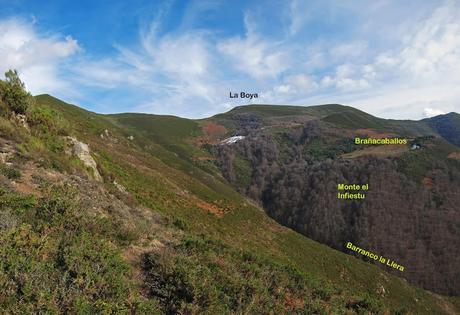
x=205 y=276
x=52 y=264
x=46 y=120
x=366 y=304
x=179 y=223
x=93 y=266
x=7 y=130
x=16 y=204
x=14 y=94
x=9 y=172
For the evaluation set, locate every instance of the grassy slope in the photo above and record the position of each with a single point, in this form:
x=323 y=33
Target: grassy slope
x=159 y=177
x=434 y=152
x=284 y=110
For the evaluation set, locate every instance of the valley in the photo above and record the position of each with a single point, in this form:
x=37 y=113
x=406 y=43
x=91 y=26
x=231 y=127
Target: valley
x=237 y=158
x=407 y=211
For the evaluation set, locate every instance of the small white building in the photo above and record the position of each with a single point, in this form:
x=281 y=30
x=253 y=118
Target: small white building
x=232 y=140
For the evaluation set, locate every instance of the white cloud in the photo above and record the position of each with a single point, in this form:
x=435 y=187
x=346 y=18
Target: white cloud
x=302 y=82
x=385 y=65
x=284 y=88
x=35 y=56
x=349 y=50
x=430 y=112
x=407 y=79
x=293 y=85
x=253 y=55
x=296 y=19
x=433 y=51
x=185 y=56
x=349 y=77
x=425 y=68
x=171 y=69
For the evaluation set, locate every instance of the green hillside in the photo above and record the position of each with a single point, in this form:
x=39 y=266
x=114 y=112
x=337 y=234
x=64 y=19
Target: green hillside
x=338 y=115
x=201 y=203
x=163 y=232
x=447 y=126
x=355 y=120
x=319 y=111
x=164 y=129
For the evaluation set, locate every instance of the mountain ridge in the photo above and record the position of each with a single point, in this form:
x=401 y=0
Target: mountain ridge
x=307 y=109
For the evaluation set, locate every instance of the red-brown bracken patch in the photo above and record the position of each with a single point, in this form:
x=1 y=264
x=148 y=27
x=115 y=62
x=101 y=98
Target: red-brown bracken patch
x=209 y=207
x=454 y=155
x=212 y=133
x=292 y=303
x=213 y=130
x=428 y=182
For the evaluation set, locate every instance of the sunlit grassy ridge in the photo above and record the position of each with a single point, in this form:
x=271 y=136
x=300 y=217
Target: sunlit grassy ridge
x=338 y=115
x=158 y=170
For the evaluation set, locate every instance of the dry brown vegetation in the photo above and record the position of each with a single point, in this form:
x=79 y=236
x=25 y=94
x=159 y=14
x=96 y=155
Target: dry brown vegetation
x=454 y=155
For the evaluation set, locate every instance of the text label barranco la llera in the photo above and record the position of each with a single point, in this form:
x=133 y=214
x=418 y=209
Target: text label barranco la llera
x=375 y=257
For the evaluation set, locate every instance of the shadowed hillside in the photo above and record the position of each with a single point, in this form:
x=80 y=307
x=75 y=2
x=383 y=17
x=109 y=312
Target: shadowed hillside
x=292 y=160
x=447 y=126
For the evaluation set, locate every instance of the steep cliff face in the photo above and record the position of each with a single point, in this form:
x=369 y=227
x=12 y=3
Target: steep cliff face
x=410 y=212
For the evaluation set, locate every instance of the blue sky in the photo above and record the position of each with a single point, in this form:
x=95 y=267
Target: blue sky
x=394 y=59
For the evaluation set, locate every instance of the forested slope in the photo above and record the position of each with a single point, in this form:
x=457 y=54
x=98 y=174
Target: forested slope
x=291 y=164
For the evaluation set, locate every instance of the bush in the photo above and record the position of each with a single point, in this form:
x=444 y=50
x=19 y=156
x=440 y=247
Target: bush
x=205 y=276
x=14 y=94
x=9 y=172
x=366 y=304
x=7 y=129
x=51 y=263
x=46 y=120
x=16 y=204
x=57 y=209
x=179 y=223
x=93 y=266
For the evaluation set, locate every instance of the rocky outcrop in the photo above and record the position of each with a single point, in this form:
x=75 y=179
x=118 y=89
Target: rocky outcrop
x=81 y=150
x=108 y=136
x=7 y=151
x=20 y=119
x=120 y=187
